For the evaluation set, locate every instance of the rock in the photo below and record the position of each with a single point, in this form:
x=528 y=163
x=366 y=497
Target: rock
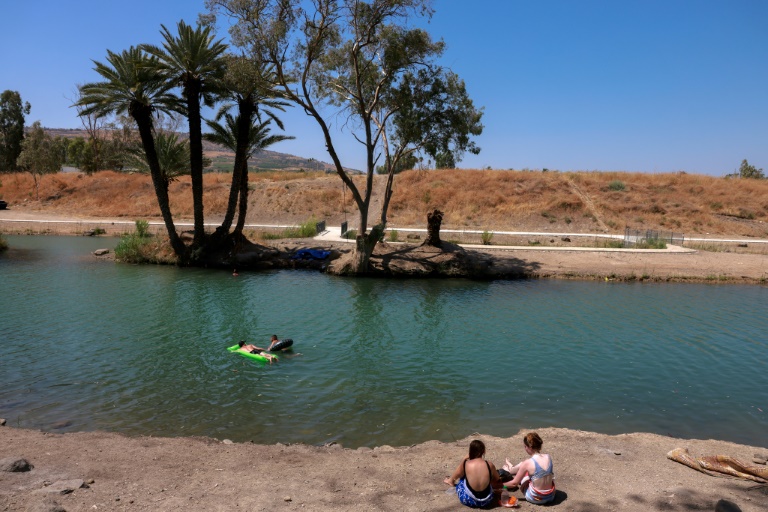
x=756 y=460
x=15 y=465
x=2 y=422
x=413 y=237
x=762 y=456
x=742 y=245
x=565 y=239
x=286 y=498
x=726 y=506
x=228 y=441
x=91 y=232
x=100 y=252
x=63 y=487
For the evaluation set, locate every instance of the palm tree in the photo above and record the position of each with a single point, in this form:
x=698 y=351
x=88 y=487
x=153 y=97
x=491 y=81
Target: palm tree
x=131 y=85
x=192 y=60
x=247 y=86
x=245 y=140
x=172 y=155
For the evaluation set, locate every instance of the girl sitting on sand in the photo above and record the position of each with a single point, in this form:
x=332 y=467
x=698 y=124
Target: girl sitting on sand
x=475 y=478
x=534 y=476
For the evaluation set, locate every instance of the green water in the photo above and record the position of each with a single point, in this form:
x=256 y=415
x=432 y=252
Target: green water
x=87 y=344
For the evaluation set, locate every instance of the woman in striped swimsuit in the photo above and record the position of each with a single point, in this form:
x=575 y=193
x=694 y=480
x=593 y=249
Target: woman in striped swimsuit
x=534 y=476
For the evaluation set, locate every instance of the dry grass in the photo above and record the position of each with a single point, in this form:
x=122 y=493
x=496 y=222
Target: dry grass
x=584 y=202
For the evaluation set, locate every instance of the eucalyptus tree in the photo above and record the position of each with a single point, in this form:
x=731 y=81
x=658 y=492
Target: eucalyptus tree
x=131 y=85
x=192 y=59
x=12 y=114
x=362 y=60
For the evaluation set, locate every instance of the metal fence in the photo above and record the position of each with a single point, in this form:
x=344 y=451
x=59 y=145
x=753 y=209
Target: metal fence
x=639 y=236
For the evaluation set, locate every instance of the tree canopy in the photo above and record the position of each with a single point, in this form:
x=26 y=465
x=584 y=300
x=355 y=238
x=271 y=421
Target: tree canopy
x=41 y=154
x=750 y=171
x=363 y=61
x=188 y=71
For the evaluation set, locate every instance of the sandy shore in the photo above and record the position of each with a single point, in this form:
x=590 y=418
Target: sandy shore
x=594 y=472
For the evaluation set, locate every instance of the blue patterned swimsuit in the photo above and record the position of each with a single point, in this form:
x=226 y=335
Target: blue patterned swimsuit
x=471 y=497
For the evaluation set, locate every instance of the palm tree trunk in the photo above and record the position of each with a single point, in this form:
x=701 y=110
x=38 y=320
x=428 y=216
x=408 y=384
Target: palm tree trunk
x=192 y=92
x=143 y=119
x=244 y=122
x=243 y=200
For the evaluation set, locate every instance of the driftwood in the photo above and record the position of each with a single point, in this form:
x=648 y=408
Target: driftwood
x=720 y=464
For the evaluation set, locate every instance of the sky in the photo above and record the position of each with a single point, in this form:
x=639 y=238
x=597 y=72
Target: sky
x=572 y=85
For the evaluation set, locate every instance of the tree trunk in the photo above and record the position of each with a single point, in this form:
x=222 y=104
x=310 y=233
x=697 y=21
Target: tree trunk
x=434 y=220
x=243 y=135
x=364 y=245
x=243 y=210
x=196 y=158
x=143 y=119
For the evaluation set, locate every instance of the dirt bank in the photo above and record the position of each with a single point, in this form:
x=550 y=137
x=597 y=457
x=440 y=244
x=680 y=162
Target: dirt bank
x=594 y=472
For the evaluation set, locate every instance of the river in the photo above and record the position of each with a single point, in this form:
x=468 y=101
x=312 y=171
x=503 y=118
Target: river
x=86 y=344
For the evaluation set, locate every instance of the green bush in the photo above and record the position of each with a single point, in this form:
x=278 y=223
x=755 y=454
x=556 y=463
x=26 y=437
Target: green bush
x=393 y=235
x=652 y=243
x=130 y=248
x=351 y=234
x=307 y=229
x=610 y=243
x=617 y=185
x=486 y=237
x=142 y=228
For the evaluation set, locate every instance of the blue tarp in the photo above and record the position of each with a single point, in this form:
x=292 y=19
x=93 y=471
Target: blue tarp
x=310 y=254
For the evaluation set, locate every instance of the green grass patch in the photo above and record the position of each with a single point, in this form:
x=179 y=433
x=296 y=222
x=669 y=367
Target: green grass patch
x=307 y=229
x=653 y=243
x=609 y=243
x=486 y=237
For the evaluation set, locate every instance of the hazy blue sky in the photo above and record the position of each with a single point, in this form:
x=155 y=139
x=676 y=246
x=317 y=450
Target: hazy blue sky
x=629 y=85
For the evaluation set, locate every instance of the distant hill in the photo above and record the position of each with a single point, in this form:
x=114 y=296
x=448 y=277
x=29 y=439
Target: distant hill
x=222 y=158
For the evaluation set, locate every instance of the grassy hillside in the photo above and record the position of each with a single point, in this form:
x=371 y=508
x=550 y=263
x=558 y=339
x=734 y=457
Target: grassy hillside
x=586 y=202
